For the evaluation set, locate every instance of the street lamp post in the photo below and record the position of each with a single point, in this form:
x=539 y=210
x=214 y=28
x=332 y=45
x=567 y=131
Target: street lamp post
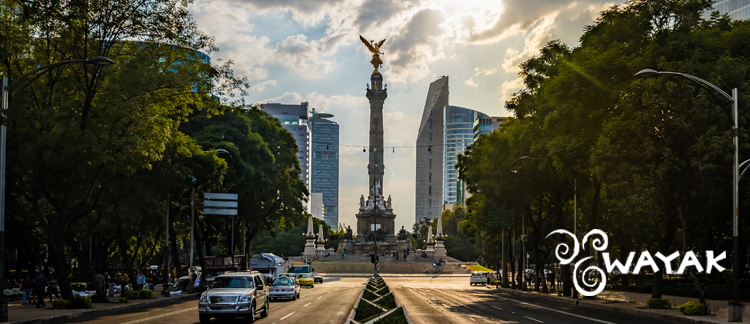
x=4 y=105
x=735 y=314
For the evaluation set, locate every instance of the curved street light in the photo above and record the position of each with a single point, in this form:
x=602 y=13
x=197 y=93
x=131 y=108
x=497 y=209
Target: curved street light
x=735 y=315
x=4 y=94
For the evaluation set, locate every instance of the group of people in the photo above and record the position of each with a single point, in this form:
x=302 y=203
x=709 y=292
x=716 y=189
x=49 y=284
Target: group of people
x=39 y=287
x=121 y=282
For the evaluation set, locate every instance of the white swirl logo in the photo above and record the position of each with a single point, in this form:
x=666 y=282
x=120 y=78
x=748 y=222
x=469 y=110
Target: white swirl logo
x=598 y=244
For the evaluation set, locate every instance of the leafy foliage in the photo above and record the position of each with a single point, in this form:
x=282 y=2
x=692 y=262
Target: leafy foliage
x=693 y=309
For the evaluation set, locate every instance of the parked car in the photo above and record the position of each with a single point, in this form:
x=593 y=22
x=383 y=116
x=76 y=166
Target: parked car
x=306 y=279
x=284 y=287
x=317 y=277
x=235 y=294
x=180 y=287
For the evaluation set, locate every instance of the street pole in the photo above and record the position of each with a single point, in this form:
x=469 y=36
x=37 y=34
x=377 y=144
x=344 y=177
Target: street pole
x=165 y=290
x=736 y=312
x=231 y=250
x=523 y=249
x=192 y=227
x=3 y=108
x=513 y=259
x=502 y=266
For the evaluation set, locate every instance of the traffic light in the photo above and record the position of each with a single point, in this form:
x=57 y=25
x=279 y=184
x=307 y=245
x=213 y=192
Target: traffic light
x=415 y=235
x=377 y=258
x=372 y=258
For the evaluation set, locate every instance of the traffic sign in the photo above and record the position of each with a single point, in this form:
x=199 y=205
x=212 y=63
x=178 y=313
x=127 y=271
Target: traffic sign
x=219 y=203
x=502 y=218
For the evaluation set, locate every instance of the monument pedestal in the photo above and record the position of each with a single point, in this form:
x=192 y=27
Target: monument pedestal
x=439 y=250
x=310 y=248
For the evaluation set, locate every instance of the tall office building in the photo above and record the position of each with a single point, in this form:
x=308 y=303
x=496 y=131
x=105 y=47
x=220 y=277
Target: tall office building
x=737 y=9
x=486 y=125
x=429 y=175
x=458 y=130
x=316 y=205
x=294 y=119
x=324 y=168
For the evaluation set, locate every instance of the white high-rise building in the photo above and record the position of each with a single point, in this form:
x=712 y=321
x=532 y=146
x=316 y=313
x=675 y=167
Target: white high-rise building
x=429 y=175
x=737 y=9
x=294 y=119
x=317 y=209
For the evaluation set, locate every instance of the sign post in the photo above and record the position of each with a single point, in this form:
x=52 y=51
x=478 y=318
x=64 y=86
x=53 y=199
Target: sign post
x=221 y=204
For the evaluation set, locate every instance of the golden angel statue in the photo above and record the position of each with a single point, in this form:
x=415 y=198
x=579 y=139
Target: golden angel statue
x=375 y=49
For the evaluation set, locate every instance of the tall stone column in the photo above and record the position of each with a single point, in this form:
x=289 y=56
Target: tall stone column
x=376 y=95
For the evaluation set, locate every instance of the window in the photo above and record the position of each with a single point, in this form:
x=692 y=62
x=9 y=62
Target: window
x=430 y=137
x=429 y=190
x=430 y=163
x=429 y=201
x=430 y=177
x=430 y=123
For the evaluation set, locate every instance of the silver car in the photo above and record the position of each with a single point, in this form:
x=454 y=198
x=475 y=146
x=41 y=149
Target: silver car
x=235 y=294
x=284 y=287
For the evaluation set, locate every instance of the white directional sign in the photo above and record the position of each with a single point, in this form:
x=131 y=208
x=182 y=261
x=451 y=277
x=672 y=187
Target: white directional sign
x=219 y=204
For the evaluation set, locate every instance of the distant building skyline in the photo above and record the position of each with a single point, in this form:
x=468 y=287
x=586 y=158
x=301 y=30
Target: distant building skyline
x=737 y=9
x=324 y=165
x=429 y=166
x=294 y=119
x=458 y=133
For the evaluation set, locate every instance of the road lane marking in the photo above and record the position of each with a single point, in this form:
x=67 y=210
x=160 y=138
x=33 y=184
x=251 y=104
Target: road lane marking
x=495 y=307
x=290 y=314
x=534 y=319
x=307 y=304
x=446 y=306
x=557 y=310
x=160 y=316
x=432 y=298
x=320 y=297
x=472 y=319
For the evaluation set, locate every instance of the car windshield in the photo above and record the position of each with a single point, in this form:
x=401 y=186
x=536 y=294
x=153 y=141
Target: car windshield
x=283 y=282
x=304 y=275
x=233 y=282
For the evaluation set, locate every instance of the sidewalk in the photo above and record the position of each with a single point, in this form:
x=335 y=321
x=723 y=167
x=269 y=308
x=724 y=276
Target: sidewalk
x=28 y=314
x=635 y=303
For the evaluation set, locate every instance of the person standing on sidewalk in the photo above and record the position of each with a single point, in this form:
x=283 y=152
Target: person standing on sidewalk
x=26 y=289
x=141 y=280
x=192 y=284
x=53 y=288
x=40 y=283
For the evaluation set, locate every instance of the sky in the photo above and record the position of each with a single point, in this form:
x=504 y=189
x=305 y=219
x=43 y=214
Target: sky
x=309 y=50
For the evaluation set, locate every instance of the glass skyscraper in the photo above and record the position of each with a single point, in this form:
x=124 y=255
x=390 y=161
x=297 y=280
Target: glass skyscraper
x=324 y=168
x=458 y=130
x=294 y=119
x=737 y=9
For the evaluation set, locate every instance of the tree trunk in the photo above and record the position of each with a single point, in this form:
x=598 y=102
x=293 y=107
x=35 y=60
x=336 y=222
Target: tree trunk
x=101 y=294
x=127 y=260
x=670 y=228
x=691 y=271
x=56 y=246
x=173 y=246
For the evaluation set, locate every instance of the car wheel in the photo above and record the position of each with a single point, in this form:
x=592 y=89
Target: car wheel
x=266 y=311
x=204 y=318
x=252 y=314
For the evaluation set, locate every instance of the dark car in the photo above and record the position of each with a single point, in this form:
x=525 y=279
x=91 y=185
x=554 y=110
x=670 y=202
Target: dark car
x=317 y=277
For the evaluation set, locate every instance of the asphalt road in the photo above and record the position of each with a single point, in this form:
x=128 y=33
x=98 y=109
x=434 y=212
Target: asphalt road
x=329 y=303
x=460 y=303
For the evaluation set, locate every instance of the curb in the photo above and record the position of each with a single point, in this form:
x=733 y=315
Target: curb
x=67 y=317
x=642 y=313
x=353 y=313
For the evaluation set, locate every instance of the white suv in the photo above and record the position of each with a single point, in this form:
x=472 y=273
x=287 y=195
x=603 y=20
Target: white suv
x=235 y=294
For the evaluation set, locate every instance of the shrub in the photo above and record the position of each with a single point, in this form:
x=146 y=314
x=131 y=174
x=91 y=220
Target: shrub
x=131 y=294
x=146 y=294
x=80 y=302
x=387 y=302
x=559 y=292
x=383 y=291
x=397 y=317
x=365 y=310
x=552 y=290
x=369 y=295
x=61 y=304
x=693 y=308
x=123 y=299
x=657 y=303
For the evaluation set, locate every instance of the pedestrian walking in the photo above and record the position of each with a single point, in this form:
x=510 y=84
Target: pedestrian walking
x=193 y=276
x=53 y=288
x=26 y=285
x=40 y=284
x=343 y=252
x=141 y=280
x=123 y=284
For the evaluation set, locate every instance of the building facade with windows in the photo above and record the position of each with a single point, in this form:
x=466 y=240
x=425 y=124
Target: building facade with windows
x=429 y=166
x=737 y=9
x=486 y=125
x=294 y=119
x=324 y=167
x=458 y=133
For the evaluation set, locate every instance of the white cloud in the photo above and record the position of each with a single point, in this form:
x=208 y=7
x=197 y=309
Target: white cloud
x=470 y=82
x=259 y=87
x=534 y=40
x=508 y=88
x=485 y=71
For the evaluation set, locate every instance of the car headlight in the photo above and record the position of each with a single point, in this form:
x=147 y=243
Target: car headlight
x=203 y=299
x=244 y=299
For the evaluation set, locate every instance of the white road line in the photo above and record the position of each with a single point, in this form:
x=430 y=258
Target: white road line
x=557 y=310
x=472 y=319
x=446 y=305
x=307 y=304
x=320 y=297
x=160 y=316
x=432 y=298
x=290 y=314
x=495 y=307
x=534 y=319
